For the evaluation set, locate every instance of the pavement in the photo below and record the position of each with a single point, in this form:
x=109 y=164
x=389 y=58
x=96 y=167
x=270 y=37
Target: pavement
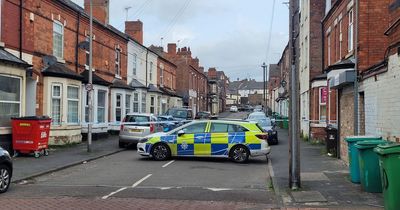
x=325 y=181
x=26 y=166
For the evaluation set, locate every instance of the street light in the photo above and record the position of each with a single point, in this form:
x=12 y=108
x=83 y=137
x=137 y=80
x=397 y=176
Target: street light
x=89 y=87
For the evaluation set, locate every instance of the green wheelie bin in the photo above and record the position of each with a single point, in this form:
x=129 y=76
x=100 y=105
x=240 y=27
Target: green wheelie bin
x=389 y=156
x=369 y=165
x=354 y=165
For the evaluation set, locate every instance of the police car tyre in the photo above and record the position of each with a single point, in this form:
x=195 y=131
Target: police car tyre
x=5 y=178
x=160 y=152
x=239 y=154
x=121 y=145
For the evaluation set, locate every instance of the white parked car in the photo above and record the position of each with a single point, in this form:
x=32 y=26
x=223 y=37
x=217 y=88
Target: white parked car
x=233 y=109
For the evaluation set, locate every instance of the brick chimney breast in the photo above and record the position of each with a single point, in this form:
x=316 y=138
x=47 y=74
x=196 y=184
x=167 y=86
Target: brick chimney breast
x=135 y=30
x=100 y=10
x=172 y=48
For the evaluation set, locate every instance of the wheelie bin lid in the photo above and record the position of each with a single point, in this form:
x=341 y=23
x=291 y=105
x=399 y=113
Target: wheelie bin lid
x=32 y=118
x=361 y=138
x=388 y=148
x=369 y=144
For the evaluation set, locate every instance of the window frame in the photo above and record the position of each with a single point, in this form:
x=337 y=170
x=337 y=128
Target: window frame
x=118 y=107
x=152 y=104
x=329 y=48
x=161 y=76
x=151 y=71
x=321 y=104
x=20 y=94
x=117 y=62
x=128 y=99
x=350 y=35
x=55 y=22
x=143 y=102
x=99 y=107
x=134 y=64
x=204 y=131
x=74 y=100
x=135 y=101
x=58 y=123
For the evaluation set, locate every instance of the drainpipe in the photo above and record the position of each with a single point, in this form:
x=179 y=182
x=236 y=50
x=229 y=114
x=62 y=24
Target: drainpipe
x=356 y=85
x=77 y=43
x=20 y=29
x=147 y=56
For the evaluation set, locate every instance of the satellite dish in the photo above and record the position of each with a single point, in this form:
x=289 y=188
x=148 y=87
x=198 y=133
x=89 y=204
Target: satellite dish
x=49 y=60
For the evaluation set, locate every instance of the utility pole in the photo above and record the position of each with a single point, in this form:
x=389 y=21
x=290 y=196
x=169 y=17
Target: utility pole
x=89 y=87
x=294 y=118
x=264 y=66
x=356 y=100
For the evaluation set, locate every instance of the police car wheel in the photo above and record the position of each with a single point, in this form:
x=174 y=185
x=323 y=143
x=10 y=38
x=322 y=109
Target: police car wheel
x=160 y=152
x=239 y=154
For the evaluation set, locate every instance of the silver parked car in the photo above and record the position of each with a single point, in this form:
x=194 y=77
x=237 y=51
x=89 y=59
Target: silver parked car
x=135 y=126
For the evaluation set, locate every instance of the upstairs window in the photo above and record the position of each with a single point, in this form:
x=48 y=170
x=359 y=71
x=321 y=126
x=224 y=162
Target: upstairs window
x=117 y=62
x=151 y=71
x=161 y=76
x=58 y=39
x=134 y=63
x=351 y=31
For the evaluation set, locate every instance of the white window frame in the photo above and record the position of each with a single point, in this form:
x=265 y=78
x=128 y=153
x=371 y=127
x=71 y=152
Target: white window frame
x=86 y=107
x=128 y=99
x=320 y=104
x=329 y=49
x=134 y=64
x=161 y=75
x=340 y=39
x=117 y=62
x=151 y=71
x=20 y=92
x=152 y=104
x=51 y=102
x=118 y=107
x=75 y=100
x=135 y=101
x=350 y=37
x=62 y=39
x=143 y=104
x=105 y=105
x=159 y=104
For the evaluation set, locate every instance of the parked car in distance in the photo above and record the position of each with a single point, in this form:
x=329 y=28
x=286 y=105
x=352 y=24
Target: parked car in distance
x=6 y=169
x=167 y=122
x=268 y=126
x=256 y=115
x=135 y=126
x=258 y=108
x=180 y=113
x=248 y=108
x=233 y=109
x=203 y=115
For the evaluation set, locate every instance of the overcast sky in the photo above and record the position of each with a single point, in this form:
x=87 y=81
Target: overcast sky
x=231 y=35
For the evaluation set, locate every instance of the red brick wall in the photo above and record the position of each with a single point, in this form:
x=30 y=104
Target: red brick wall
x=394 y=35
x=317 y=134
x=38 y=36
x=317 y=12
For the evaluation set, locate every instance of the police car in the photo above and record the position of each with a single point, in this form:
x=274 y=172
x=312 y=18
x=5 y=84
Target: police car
x=212 y=138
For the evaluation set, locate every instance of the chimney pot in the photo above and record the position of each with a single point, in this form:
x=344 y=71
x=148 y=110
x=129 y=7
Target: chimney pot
x=135 y=30
x=100 y=10
x=172 y=48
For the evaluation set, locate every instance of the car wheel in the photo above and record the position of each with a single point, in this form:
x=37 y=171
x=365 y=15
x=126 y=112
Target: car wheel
x=160 y=152
x=5 y=178
x=121 y=145
x=239 y=154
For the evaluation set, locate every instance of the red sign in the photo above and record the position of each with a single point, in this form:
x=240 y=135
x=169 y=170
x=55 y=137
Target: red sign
x=323 y=98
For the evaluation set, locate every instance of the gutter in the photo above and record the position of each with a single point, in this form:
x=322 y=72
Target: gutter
x=20 y=29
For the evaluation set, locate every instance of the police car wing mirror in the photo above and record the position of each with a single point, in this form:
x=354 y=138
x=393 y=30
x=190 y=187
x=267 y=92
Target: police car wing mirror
x=181 y=133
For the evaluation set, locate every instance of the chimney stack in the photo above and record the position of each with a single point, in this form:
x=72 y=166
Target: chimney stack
x=135 y=30
x=100 y=10
x=172 y=48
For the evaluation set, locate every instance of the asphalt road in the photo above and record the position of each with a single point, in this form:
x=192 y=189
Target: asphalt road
x=127 y=175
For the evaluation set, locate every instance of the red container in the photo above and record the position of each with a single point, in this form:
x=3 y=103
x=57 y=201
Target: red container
x=31 y=135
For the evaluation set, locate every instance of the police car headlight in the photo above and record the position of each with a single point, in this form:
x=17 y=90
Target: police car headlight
x=144 y=140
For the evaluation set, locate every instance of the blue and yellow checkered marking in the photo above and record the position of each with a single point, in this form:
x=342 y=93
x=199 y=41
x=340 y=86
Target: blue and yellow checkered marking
x=219 y=149
x=236 y=138
x=185 y=149
x=202 y=138
x=168 y=139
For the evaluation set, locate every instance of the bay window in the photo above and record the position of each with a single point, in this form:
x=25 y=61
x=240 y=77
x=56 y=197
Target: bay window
x=152 y=104
x=101 y=106
x=118 y=107
x=73 y=104
x=136 y=102
x=128 y=103
x=56 y=93
x=143 y=102
x=10 y=99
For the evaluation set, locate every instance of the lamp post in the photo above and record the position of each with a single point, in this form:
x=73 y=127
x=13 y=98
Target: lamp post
x=89 y=87
x=264 y=66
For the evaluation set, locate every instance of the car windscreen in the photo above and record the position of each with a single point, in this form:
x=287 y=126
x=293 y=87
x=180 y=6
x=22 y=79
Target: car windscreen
x=176 y=113
x=255 y=117
x=264 y=122
x=137 y=120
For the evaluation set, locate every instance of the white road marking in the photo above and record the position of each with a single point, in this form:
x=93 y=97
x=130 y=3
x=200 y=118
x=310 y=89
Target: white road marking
x=218 y=189
x=141 y=180
x=117 y=191
x=124 y=188
x=165 y=165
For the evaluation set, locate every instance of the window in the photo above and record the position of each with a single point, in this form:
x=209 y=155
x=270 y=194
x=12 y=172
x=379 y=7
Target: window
x=73 y=104
x=159 y=105
x=128 y=103
x=152 y=104
x=87 y=55
x=340 y=39
x=134 y=64
x=323 y=97
x=161 y=76
x=117 y=62
x=58 y=39
x=151 y=71
x=195 y=128
x=219 y=128
x=56 y=90
x=10 y=99
x=351 y=31
x=118 y=107
x=136 y=102
x=87 y=107
x=143 y=102
x=329 y=49
x=101 y=106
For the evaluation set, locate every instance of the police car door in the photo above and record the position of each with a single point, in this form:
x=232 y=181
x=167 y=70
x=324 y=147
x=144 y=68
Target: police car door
x=187 y=141
x=219 y=139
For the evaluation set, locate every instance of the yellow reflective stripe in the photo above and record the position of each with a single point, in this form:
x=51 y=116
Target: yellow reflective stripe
x=219 y=138
x=202 y=149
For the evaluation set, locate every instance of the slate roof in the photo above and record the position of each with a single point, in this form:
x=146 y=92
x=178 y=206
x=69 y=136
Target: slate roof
x=136 y=84
x=12 y=59
x=246 y=85
x=117 y=83
x=169 y=92
x=60 y=70
x=153 y=88
x=95 y=79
